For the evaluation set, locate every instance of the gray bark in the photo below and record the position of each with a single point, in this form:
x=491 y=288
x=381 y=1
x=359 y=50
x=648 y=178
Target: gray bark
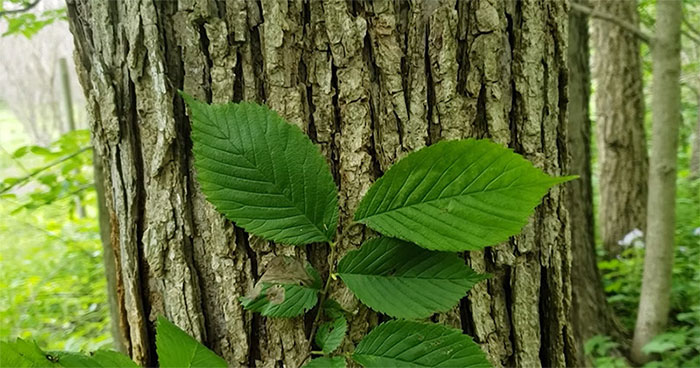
x=369 y=82
x=591 y=313
x=655 y=298
x=695 y=150
x=619 y=101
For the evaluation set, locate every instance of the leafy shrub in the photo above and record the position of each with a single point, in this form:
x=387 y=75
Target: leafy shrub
x=52 y=283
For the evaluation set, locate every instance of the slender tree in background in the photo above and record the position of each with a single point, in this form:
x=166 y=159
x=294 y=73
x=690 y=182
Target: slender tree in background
x=694 y=86
x=619 y=102
x=654 y=303
x=591 y=313
x=369 y=82
x=695 y=150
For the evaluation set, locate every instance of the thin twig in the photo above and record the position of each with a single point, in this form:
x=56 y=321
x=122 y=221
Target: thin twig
x=27 y=7
x=610 y=18
x=324 y=295
x=44 y=168
x=324 y=292
x=691 y=37
x=690 y=27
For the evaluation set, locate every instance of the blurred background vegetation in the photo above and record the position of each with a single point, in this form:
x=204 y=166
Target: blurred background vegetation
x=52 y=283
x=52 y=280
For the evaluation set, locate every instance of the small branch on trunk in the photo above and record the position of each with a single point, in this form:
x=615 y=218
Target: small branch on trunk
x=610 y=18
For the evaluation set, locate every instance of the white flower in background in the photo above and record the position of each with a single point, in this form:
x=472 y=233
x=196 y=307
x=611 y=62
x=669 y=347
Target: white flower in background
x=696 y=232
x=634 y=238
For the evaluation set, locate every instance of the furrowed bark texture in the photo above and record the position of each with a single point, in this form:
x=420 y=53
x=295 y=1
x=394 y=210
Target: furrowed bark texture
x=591 y=314
x=655 y=296
x=619 y=101
x=369 y=82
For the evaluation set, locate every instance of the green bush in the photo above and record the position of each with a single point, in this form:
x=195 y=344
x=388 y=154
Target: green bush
x=52 y=283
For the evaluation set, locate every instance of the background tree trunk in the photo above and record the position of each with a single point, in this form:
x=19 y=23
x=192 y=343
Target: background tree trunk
x=619 y=102
x=655 y=297
x=369 y=82
x=695 y=149
x=591 y=313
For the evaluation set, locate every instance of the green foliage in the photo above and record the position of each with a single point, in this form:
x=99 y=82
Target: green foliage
x=22 y=353
x=269 y=178
x=284 y=292
x=414 y=344
x=263 y=173
x=331 y=334
x=598 y=349
x=176 y=348
x=679 y=346
x=333 y=309
x=98 y=359
x=326 y=362
x=64 y=171
x=52 y=283
x=406 y=281
x=26 y=23
x=455 y=196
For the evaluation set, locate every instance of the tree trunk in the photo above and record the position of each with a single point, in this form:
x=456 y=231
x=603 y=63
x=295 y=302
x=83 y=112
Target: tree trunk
x=369 y=82
x=655 y=297
x=695 y=149
x=591 y=314
x=619 y=101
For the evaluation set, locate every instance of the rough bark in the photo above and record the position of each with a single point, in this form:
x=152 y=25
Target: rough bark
x=369 y=82
x=619 y=101
x=591 y=314
x=655 y=296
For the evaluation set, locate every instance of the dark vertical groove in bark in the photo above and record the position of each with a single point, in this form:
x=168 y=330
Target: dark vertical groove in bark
x=335 y=149
x=204 y=46
x=433 y=129
x=140 y=202
x=544 y=313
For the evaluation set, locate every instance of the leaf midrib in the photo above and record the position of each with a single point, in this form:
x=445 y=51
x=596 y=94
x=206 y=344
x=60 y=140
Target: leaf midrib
x=273 y=182
x=397 y=277
x=450 y=197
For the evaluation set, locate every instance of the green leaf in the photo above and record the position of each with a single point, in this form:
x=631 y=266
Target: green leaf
x=331 y=334
x=107 y=358
x=20 y=152
x=263 y=173
x=286 y=289
x=178 y=349
x=98 y=359
x=326 y=362
x=414 y=344
x=332 y=309
x=455 y=196
x=21 y=353
x=406 y=281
